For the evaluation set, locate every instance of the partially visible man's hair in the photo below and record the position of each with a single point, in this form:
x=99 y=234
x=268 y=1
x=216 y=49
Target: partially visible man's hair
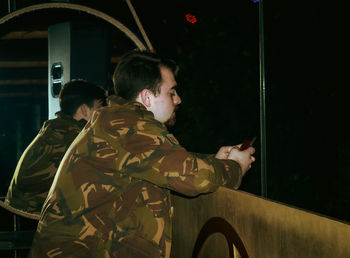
x=77 y=92
x=138 y=70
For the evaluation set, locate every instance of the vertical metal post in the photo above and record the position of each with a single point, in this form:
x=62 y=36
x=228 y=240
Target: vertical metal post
x=11 y=5
x=16 y=227
x=19 y=139
x=262 y=102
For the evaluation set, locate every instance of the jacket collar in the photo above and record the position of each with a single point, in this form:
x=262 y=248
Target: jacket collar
x=113 y=100
x=81 y=123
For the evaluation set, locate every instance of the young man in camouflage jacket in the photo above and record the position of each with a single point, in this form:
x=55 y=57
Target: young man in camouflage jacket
x=38 y=164
x=111 y=195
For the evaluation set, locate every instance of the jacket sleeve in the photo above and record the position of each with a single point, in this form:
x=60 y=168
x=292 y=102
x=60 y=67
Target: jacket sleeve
x=149 y=152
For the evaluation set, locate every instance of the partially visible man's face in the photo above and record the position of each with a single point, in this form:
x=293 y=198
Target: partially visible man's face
x=164 y=104
x=97 y=104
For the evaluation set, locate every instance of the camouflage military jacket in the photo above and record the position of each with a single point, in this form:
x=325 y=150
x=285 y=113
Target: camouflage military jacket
x=111 y=194
x=39 y=162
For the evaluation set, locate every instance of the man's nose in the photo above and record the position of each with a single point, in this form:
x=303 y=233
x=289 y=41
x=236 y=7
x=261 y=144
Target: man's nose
x=177 y=100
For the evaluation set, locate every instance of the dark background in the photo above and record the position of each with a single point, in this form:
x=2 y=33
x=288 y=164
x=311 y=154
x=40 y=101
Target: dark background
x=306 y=90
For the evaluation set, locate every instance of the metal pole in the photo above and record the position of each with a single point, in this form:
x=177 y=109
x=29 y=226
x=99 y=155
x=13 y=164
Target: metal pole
x=19 y=139
x=262 y=102
x=11 y=5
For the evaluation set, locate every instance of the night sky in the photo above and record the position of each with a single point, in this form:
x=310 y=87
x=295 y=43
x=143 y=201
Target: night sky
x=306 y=92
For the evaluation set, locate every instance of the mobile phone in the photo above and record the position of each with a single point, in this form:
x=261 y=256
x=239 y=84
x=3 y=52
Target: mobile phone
x=247 y=143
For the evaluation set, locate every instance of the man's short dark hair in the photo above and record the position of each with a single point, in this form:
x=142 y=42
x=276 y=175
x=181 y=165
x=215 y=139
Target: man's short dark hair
x=77 y=92
x=138 y=70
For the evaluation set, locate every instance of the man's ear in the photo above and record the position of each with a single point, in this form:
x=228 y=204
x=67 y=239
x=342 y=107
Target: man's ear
x=82 y=112
x=146 y=97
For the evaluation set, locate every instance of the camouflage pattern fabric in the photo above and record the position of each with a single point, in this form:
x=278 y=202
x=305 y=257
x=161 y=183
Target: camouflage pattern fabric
x=111 y=194
x=39 y=162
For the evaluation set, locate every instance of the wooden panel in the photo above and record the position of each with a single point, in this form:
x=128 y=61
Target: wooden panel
x=37 y=34
x=265 y=228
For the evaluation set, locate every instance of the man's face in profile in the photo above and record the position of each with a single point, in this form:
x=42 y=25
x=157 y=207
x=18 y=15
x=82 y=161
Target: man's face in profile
x=164 y=104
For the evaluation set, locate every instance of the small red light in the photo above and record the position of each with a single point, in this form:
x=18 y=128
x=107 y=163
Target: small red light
x=191 y=18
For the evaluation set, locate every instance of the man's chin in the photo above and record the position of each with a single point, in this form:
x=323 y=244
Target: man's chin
x=171 y=122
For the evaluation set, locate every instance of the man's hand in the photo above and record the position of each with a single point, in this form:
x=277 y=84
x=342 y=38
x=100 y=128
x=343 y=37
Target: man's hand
x=223 y=152
x=243 y=158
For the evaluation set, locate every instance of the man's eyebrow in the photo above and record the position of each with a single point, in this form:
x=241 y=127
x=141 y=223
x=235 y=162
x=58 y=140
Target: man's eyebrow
x=173 y=87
